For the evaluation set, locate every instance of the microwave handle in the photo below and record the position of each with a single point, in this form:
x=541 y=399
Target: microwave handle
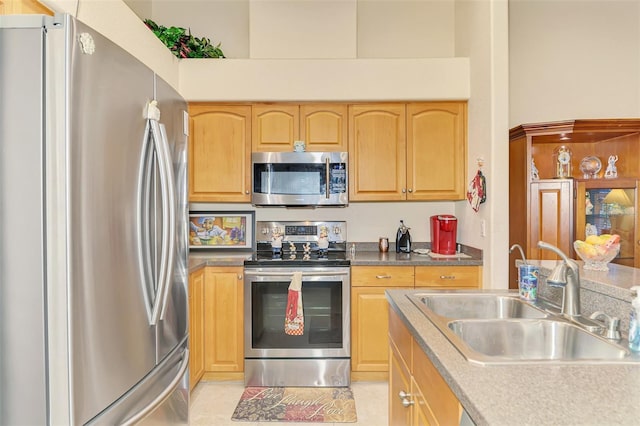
x=328 y=165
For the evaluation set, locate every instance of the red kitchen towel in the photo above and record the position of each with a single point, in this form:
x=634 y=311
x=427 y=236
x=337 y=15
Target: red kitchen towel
x=294 y=318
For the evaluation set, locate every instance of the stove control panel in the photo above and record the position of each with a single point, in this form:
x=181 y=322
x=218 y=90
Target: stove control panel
x=307 y=231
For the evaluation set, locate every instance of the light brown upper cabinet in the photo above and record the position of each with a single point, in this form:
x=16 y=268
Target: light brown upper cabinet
x=377 y=152
x=23 y=7
x=220 y=153
x=436 y=150
x=414 y=151
x=321 y=126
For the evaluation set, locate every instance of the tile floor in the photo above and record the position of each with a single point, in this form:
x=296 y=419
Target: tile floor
x=213 y=403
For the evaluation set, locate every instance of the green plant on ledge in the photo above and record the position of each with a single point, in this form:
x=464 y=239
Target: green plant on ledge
x=184 y=45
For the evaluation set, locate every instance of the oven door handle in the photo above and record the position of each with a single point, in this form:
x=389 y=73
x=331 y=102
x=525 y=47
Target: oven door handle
x=304 y=274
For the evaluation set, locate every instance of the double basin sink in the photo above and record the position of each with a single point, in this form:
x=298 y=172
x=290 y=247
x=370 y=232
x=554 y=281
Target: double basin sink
x=500 y=328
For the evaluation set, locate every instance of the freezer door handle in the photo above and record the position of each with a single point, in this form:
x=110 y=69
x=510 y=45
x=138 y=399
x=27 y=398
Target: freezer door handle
x=163 y=396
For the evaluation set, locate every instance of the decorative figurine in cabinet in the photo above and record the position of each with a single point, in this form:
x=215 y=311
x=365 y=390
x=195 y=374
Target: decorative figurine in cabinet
x=609 y=207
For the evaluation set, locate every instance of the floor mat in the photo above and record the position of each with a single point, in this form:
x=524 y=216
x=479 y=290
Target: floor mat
x=280 y=404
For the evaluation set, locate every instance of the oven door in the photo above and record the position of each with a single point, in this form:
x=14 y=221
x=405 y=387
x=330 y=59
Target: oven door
x=326 y=310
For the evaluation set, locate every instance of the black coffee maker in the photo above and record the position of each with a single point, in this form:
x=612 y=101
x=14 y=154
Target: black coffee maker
x=403 y=239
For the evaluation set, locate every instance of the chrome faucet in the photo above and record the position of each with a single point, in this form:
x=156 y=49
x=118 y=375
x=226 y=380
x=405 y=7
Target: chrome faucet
x=519 y=247
x=567 y=276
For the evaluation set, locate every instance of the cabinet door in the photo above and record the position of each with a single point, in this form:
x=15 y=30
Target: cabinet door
x=609 y=206
x=440 y=403
x=369 y=329
x=377 y=152
x=422 y=415
x=436 y=150
x=449 y=276
x=220 y=153
x=551 y=217
x=323 y=127
x=223 y=319
x=399 y=381
x=196 y=327
x=275 y=127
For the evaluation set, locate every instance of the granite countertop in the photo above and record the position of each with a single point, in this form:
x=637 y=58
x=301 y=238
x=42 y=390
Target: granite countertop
x=373 y=258
x=527 y=394
x=367 y=254
x=199 y=260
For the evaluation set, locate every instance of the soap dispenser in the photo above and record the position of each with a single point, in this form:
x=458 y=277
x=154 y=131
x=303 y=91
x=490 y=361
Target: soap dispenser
x=634 y=321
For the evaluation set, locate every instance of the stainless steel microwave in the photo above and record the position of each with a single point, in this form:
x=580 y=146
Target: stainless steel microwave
x=299 y=179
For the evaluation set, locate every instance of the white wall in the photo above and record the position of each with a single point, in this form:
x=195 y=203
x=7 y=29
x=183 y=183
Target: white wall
x=324 y=79
x=481 y=35
x=366 y=222
x=573 y=59
x=316 y=28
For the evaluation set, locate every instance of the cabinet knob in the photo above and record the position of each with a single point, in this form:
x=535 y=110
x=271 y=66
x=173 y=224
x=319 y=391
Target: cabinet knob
x=239 y=276
x=410 y=190
x=404 y=190
x=403 y=395
x=246 y=192
x=407 y=402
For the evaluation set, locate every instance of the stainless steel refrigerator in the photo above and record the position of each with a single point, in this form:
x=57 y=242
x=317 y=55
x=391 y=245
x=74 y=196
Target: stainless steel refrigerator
x=93 y=231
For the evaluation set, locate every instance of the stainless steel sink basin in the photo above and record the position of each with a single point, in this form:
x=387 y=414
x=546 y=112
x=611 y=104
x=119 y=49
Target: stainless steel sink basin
x=481 y=306
x=531 y=340
x=493 y=328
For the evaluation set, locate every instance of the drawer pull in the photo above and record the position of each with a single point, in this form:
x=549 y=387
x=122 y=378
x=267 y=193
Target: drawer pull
x=406 y=402
x=447 y=277
x=383 y=277
x=403 y=395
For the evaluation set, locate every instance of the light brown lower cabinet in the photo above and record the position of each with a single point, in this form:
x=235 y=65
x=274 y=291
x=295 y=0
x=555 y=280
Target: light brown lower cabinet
x=370 y=310
x=418 y=395
x=223 y=321
x=369 y=317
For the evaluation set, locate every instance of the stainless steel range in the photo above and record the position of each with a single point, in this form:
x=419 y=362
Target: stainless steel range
x=315 y=254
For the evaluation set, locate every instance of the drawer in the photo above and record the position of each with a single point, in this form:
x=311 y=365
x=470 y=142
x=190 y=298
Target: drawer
x=382 y=276
x=448 y=276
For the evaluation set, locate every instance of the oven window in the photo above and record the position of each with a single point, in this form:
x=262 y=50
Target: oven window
x=322 y=309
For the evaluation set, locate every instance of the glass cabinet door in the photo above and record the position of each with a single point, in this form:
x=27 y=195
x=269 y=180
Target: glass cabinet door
x=609 y=207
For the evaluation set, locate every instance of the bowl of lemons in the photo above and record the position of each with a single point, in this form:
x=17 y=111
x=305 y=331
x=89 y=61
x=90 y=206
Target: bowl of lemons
x=598 y=250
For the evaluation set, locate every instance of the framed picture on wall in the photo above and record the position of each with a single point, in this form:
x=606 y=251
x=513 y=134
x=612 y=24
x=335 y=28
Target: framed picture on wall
x=221 y=230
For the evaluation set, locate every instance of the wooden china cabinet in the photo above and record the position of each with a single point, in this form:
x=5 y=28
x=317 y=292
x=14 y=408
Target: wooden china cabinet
x=558 y=210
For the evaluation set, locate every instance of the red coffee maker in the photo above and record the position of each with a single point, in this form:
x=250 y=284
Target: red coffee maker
x=444 y=230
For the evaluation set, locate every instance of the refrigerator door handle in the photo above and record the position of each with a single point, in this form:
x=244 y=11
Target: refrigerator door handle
x=171 y=194
x=164 y=395
x=147 y=275
x=168 y=226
